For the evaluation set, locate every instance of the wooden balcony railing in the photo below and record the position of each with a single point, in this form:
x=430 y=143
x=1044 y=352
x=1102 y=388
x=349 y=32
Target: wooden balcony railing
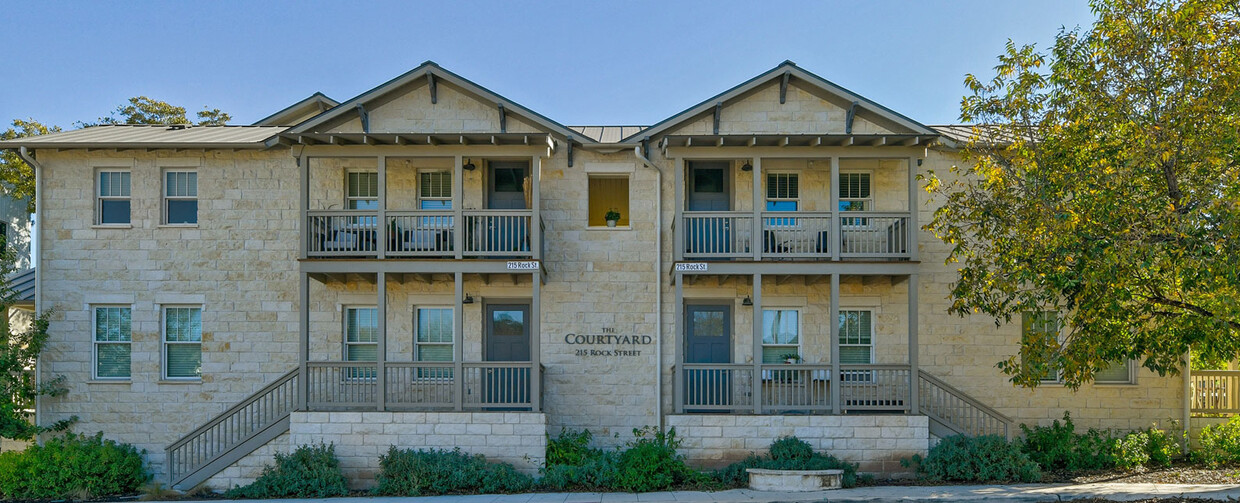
x=730 y=387
x=1215 y=392
x=797 y=235
x=420 y=234
x=411 y=386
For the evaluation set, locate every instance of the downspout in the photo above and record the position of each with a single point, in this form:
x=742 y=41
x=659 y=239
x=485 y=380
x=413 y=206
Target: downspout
x=36 y=262
x=658 y=288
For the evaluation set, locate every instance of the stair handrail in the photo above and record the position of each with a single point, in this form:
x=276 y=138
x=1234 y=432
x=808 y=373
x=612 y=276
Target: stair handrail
x=964 y=397
x=220 y=418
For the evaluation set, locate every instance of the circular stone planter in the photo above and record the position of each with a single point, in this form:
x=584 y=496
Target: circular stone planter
x=794 y=480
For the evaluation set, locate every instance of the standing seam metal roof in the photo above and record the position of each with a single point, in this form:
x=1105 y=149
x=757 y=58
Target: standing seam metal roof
x=142 y=135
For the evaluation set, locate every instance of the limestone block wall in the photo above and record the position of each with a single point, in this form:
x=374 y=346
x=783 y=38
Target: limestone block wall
x=248 y=468
x=877 y=443
x=760 y=112
x=518 y=438
x=239 y=264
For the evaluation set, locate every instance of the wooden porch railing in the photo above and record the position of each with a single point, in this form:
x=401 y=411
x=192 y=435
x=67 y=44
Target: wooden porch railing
x=1215 y=392
x=223 y=439
x=353 y=386
x=420 y=233
x=958 y=411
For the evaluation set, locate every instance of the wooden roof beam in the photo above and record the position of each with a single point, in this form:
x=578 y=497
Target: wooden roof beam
x=430 y=82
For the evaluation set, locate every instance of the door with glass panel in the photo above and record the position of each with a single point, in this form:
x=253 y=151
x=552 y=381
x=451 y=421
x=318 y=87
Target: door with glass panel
x=506 y=190
x=709 y=190
x=708 y=339
x=507 y=339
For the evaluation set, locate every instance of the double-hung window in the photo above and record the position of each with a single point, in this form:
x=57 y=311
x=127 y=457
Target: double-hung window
x=361 y=340
x=855 y=196
x=434 y=193
x=363 y=190
x=181 y=197
x=113 y=198
x=781 y=335
x=183 y=342
x=113 y=338
x=1045 y=325
x=433 y=340
x=1118 y=372
x=856 y=329
x=783 y=193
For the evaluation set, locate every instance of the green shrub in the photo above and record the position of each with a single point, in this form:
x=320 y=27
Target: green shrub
x=310 y=471
x=787 y=453
x=595 y=473
x=650 y=463
x=988 y=458
x=1151 y=447
x=1220 y=444
x=570 y=448
x=72 y=465
x=406 y=472
x=1059 y=447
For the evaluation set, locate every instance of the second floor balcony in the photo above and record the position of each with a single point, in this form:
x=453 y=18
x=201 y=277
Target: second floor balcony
x=422 y=233
x=812 y=235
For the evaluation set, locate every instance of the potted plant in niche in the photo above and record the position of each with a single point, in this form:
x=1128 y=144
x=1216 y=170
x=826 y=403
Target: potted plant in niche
x=612 y=216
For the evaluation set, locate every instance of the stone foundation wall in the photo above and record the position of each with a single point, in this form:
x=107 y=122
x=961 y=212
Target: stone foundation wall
x=517 y=438
x=875 y=443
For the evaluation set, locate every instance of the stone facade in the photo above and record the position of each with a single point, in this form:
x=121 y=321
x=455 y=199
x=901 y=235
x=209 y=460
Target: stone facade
x=240 y=264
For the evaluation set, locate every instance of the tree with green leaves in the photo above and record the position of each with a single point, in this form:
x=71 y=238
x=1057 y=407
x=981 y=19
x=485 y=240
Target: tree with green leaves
x=16 y=176
x=1103 y=183
x=144 y=110
x=19 y=351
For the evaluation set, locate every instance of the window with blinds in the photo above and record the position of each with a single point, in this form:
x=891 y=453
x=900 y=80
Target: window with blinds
x=435 y=190
x=180 y=197
x=113 y=201
x=434 y=339
x=182 y=342
x=112 y=342
x=362 y=191
x=856 y=336
x=1119 y=372
x=855 y=192
x=608 y=193
x=783 y=191
x=781 y=334
x=361 y=340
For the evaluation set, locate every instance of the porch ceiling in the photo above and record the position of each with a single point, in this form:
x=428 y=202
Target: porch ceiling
x=800 y=140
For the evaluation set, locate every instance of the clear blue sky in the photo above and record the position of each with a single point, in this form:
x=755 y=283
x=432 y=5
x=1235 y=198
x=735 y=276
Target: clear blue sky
x=577 y=62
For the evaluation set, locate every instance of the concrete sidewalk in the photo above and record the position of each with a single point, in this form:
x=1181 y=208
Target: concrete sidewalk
x=1029 y=493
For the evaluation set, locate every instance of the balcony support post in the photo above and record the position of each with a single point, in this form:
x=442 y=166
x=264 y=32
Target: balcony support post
x=535 y=342
x=303 y=341
x=678 y=317
x=911 y=230
x=458 y=223
x=757 y=339
x=303 y=168
x=758 y=241
x=458 y=332
x=837 y=237
x=914 y=374
x=381 y=326
x=834 y=322
x=534 y=228
x=678 y=222
x=381 y=226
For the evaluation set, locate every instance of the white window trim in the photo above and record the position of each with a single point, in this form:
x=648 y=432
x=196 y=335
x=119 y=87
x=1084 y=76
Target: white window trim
x=419 y=198
x=165 y=197
x=100 y=198
x=766 y=179
x=1132 y=376
x=624 y=175
x=417 y=345
x=164 y=342
x=344 y=332
x=869 y=201
x=836 y=359
x=348 y=198
x=800 y=334
x=94 y=338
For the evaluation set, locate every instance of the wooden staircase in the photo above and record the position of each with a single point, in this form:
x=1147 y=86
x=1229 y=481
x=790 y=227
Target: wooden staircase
x=952 y=412
x=233 y=434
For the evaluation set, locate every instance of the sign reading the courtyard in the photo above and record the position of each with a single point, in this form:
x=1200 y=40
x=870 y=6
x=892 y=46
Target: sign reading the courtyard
x=522 y=265
x=691 y=267
x=608 y=343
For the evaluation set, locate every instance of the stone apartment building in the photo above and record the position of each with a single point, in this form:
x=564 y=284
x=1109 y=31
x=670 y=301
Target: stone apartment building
x=429 y=264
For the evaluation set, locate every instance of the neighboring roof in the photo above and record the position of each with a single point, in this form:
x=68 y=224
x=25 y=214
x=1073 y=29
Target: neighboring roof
x=607 y=134
x=777 y=73
x=151 y=136
x=22 y=283
x=964 y=133
x=421 y=72
x=316 y=104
